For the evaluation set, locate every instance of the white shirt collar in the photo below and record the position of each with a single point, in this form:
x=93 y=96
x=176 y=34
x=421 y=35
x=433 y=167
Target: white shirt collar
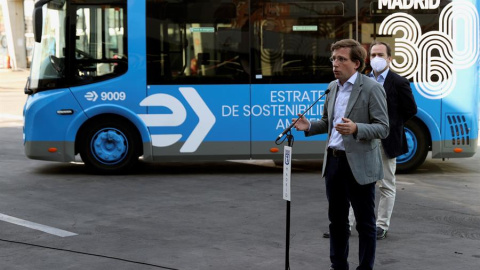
x=351 y=80
x=383 y=74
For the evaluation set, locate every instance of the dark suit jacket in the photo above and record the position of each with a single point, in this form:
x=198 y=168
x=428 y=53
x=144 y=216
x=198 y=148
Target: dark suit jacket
x=401 y=107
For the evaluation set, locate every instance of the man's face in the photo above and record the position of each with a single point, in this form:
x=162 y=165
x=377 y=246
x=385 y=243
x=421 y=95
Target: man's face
x=343 y=66
x=380 y=50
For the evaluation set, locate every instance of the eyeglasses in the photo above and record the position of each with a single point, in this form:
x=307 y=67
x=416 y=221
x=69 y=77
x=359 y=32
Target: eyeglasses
x=339 y=59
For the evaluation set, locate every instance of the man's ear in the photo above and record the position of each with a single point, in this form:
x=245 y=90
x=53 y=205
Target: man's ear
x=357 y=64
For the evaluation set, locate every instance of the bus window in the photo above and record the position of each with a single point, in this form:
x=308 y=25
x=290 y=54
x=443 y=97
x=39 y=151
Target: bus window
x=100 y=47
x=292 y=40
x=371 y=19
x=196 y=42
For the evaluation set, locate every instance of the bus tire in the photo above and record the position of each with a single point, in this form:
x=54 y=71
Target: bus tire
x=418 y=147
x=109 y=146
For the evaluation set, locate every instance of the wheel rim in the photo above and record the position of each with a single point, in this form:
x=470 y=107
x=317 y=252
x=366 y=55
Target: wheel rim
x=109 y=146
x=412 y=147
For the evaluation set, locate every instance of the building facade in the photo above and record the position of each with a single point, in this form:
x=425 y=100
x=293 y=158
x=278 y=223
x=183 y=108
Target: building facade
x=16 y=33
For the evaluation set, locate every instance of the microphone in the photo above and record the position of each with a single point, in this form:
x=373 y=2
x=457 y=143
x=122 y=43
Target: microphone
x=293 y=123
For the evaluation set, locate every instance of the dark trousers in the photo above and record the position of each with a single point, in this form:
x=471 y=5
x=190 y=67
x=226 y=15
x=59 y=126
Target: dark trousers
x=343 y=190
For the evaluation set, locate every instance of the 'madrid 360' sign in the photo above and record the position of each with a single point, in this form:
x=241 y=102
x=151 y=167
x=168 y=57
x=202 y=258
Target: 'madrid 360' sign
x=408 y=4
x=432 y=58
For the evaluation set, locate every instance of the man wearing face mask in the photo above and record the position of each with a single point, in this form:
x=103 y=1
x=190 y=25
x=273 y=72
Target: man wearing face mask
x=401 y=107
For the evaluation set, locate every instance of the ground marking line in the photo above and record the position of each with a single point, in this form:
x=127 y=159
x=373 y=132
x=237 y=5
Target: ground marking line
x=36 y=226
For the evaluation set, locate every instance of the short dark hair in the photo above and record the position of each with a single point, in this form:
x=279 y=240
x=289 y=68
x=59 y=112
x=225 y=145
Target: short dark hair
x=375 y=42
x=357 y=52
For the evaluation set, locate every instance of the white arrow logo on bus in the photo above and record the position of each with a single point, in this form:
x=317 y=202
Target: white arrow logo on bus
x=91 y=96
x=178 y=117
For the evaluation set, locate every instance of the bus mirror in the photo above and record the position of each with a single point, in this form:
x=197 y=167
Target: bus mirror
x=37 y=23
x=56 y=4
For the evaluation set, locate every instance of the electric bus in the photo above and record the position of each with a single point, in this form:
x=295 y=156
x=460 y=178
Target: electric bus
x=114 y=80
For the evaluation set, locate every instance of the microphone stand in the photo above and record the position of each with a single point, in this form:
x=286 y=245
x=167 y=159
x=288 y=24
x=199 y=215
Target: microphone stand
x=290 y=139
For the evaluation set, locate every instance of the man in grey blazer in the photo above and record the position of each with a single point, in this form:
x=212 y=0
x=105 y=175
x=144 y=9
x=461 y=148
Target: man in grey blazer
x=355 y=118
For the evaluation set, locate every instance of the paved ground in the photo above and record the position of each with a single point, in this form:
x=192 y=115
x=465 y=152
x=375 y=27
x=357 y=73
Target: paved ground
x=220 y=215
x=216 y=215
x=12 y=96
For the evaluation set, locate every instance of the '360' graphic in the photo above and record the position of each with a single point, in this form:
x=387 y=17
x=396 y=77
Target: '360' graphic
x=432 y=58
x=177 y=117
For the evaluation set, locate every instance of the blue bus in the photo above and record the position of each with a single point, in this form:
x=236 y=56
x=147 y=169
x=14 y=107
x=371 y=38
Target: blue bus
x=118 y=80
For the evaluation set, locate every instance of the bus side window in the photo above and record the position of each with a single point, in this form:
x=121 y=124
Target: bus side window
x=291 y=40
x=370 y=26
x=196 y=42
x=100 y=47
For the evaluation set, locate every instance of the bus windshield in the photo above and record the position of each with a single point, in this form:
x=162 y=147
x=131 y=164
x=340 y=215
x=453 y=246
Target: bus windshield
x=47 y=66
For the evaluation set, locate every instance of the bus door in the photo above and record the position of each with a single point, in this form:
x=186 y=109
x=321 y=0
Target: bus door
x=100 y=74
x=197 y=79
x=291 y=44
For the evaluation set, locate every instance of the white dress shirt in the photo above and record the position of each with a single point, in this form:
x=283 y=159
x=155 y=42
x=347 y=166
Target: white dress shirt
x=341 y=101
x=381 y=78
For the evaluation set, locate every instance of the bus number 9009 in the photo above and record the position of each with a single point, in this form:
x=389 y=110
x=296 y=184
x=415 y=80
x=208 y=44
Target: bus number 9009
x=113 y=95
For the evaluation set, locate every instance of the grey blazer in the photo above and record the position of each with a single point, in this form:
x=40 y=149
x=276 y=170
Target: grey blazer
x=367 y=107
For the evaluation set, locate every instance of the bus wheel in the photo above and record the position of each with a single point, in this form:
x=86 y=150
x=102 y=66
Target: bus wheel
x=417 y=140
x=109 y=147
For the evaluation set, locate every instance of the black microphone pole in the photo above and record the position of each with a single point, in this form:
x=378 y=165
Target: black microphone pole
x=288 y=132
x=293 y=123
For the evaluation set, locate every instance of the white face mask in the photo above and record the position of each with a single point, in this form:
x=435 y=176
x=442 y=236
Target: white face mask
x=378 y=64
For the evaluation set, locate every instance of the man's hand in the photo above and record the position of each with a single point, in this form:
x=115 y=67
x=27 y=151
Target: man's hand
x=347 y=127
x=302 y=124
